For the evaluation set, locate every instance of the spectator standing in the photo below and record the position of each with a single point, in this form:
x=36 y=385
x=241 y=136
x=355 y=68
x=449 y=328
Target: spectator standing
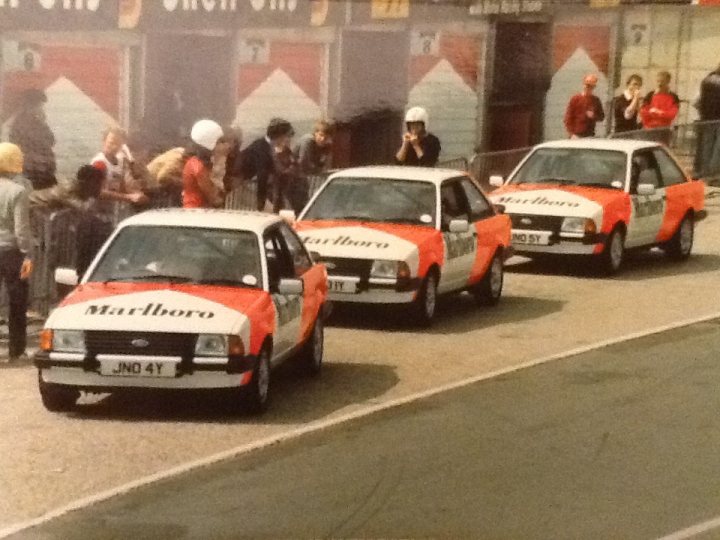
x=314 y=156
x=259 y=158
x=707 y=160
x=233 y=161
x=167 y=171
x=31 y=132
x=660 y=108
x=115 y=161
x=15 y=246
x=419 y=147
x=199 y=191
x=584 y=110
x=626 y=106
x=86 y=186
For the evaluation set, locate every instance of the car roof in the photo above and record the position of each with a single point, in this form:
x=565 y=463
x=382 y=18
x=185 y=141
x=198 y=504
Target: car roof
x=238 y=220
x=400 y=172
x=589 y=143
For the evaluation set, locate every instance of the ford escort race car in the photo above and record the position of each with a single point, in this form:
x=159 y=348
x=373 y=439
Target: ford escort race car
x=600 y=197
x=186 y=300
x=401 y=235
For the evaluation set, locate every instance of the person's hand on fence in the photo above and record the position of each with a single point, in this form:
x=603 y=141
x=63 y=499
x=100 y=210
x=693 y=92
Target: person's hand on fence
x=26 y=269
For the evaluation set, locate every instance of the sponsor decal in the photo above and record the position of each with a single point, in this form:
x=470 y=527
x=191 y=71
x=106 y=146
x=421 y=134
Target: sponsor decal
x=149 y=310
x=459 y=245
x=343 y=240
x=538 y=201
x=647 y=208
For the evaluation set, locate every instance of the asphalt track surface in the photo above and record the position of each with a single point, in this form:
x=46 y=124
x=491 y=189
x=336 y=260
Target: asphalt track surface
x=620 y=442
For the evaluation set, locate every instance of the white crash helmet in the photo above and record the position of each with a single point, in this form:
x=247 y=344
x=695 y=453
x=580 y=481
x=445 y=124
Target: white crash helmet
x=206 y=133
x=417 y=114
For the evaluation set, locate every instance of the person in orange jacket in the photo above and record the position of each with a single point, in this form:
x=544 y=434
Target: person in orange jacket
x=584 y=110
x=660 y=107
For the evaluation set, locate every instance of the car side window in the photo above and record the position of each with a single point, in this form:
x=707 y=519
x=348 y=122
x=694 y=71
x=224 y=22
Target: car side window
x=300 y=259
x=671 y=173
x=279 y=263
x=453 y=203
x=480 y=208
x=643 y=170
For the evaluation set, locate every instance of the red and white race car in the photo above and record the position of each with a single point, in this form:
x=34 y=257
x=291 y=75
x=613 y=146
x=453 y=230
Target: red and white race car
x=600 y=197
x=401 y=235
x=186 y=300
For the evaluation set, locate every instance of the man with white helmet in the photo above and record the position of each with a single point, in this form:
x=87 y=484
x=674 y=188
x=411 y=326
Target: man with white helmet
x=15 y=243
x=199 y=191
x=419 y=147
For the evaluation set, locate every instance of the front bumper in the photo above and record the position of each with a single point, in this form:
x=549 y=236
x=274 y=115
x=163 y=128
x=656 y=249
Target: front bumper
x=562 y=244
x=84 y=371
x=376 y=291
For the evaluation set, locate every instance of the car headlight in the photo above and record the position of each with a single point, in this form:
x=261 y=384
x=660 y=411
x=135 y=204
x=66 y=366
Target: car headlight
x=68 y=341
x=577 y=225
x=219 y=345
x=384 y=269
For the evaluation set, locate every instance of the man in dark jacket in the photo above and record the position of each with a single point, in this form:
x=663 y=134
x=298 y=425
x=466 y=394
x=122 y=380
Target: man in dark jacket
x=419 y=147
x=314 y=157
x=32 y=134
x=258 y=159
x=707 y=158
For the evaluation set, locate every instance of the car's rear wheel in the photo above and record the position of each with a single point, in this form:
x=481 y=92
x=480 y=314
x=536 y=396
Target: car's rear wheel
x=257 y=394
x=489 y=290
x=679 y=247
x=613 y=254
x=425 y=304
x=310 y=357
x=56 y=397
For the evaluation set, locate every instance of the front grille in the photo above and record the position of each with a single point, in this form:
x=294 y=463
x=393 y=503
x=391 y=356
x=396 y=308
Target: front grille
x=536 y=223
x=158 y=343
x=337 y=266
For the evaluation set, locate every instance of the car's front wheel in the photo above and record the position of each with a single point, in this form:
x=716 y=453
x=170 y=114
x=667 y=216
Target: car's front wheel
x=613 y=254
x=489 y=290
x=680 y=245
x=310 y=357
x=423 y=308
x=257 y=393
x=56 y=397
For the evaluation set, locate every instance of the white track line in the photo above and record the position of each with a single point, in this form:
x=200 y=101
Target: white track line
x=319 y=425
x=695 y=530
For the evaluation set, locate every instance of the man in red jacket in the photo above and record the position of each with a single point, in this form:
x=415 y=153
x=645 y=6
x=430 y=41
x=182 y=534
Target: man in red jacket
x=584 y=110
x=660 y=108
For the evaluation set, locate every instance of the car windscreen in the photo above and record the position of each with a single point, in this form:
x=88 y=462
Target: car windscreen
x=573 y=166
x=181 y=255
x=376 y=199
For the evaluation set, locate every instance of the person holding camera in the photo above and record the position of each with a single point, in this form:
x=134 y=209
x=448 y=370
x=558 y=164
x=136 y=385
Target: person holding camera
x=626 y=106
x=419 y=148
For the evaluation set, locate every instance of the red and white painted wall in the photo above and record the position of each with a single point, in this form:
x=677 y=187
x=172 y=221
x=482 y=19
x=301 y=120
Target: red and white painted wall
x=83 y=84
x=279 y=79
x=578 y=47
x=444 y=79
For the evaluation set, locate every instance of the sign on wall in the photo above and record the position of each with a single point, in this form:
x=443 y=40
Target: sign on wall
x=58 y=14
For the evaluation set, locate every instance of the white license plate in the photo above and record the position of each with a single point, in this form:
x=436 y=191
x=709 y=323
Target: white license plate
x=531 y=238
x=345 y=286
x=137 y=368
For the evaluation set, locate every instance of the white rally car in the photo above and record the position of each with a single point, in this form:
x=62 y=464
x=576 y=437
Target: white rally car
x=186 y=300
x=599 y=197
x=402 y=235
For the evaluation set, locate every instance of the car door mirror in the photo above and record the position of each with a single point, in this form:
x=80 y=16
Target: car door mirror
x=459 y=226
x=290 y=286
x=496 y=180
x=288 y=216
x=645 y=189
x=66 y=276
x=315 y=256
x=499 y=208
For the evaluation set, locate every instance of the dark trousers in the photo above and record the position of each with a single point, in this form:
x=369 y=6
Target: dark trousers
x=262 y=193
x=17 y=290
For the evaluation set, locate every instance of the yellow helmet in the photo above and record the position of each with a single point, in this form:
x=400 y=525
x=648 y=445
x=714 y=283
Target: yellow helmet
x=11 y=158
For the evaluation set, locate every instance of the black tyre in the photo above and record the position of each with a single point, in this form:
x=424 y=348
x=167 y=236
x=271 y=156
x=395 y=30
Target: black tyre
x=256 y=395
x=679 y=247
x=424 y=305
x=56 y=397
x=613 y=255
x=310 y=357
x=489 y=290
